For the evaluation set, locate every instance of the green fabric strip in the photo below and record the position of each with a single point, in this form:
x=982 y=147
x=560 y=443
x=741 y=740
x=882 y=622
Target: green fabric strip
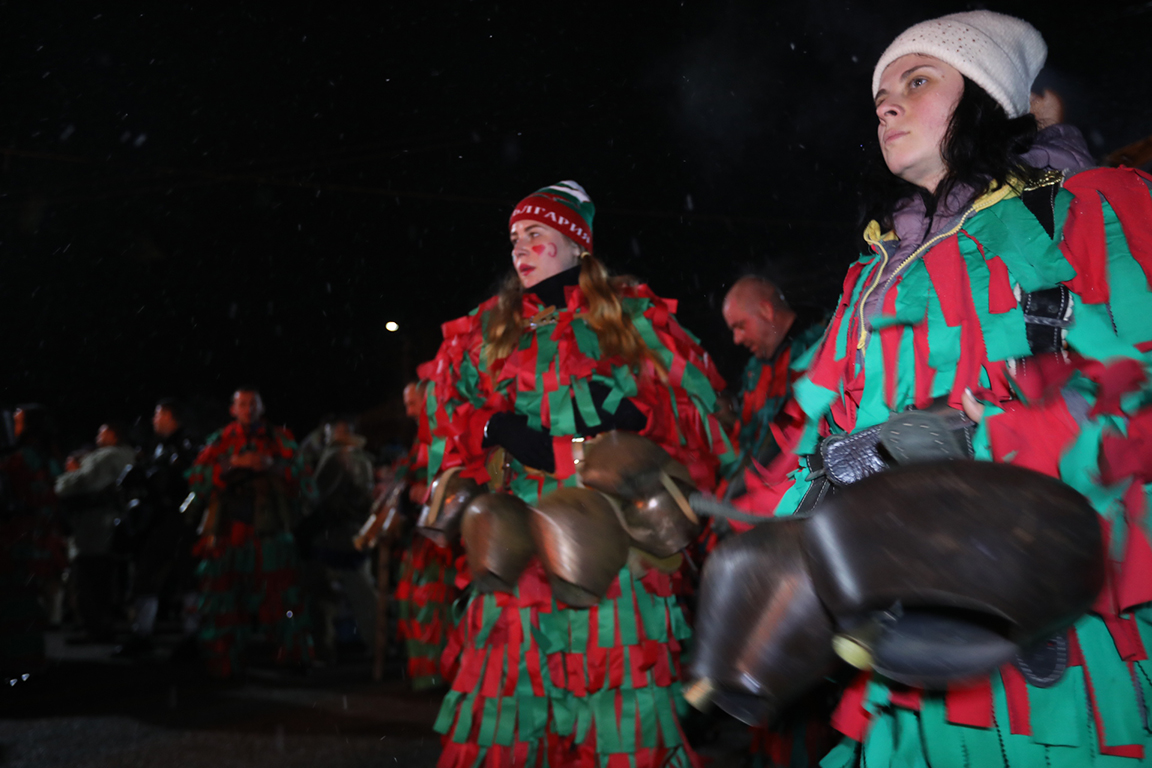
x=680 y=628
x=1130 y=298
x=586 y=339
x=1091 y=333
x=529 y=404
x=607 y=731
x=490 y=612
x=843 y=755
x=584 y=403
x=583 y=718
x=628 y=721
x=942 y=741
x=1112 y=684
x=666 y=716
x=943 y=348
x=651 y=619
x=562 y=412
x=907 y=749
x=606 y=626
x=487 y=735
x=447 y=714
x=464 y=721
x=578 y=624
x=878 y=746
x=646 y=703
x=1058 y=712
x=873 y=408
x=534 y=717
x=1020 y=749
x=1004 y=333
x=699 y=388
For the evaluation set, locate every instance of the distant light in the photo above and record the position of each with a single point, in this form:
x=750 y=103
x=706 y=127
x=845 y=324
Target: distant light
x=392 y=326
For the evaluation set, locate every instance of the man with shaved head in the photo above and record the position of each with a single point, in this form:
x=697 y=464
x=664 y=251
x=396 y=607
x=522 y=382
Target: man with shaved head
x=777 y=336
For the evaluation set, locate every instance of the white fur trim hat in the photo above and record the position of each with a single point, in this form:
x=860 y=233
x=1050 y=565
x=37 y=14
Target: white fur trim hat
x=1001 y=54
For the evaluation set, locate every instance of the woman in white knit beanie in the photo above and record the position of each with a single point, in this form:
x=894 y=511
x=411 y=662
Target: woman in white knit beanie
x=1002 y=278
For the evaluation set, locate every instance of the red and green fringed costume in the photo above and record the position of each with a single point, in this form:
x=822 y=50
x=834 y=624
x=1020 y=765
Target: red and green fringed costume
x=765 y=385
x=539 y=683
x=426 y=587
x=951 y=319
x=248 y=569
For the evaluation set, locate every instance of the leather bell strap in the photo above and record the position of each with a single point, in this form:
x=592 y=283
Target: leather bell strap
x=436 y=504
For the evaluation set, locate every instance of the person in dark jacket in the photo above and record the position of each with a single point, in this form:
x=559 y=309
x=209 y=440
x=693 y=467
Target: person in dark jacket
x=164 y=556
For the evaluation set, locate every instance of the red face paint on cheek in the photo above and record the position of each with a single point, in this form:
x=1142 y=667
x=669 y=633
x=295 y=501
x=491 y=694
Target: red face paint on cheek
x=538 y=249
x=552 y=250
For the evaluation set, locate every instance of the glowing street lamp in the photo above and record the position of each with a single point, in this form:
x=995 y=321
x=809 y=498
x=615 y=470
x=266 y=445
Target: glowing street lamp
x=392 y=326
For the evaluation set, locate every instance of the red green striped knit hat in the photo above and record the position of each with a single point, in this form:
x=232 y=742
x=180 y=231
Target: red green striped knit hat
x=564 y=206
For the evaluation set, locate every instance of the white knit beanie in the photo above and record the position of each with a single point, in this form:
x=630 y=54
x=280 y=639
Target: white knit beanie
x=1001 y=54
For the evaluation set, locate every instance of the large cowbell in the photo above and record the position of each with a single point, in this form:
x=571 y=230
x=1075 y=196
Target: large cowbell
x=651 y=486
x=763 y=637
x=441 y=516
x=580 y=544
x=497 y=540
x=929 y=574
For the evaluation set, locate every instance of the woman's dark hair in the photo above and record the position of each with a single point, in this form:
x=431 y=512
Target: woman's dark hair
x=982 y=145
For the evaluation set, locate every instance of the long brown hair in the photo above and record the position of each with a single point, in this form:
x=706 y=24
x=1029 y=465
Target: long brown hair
x=605 y=315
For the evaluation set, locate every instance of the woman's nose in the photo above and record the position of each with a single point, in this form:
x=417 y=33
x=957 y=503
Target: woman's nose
x=889 y=108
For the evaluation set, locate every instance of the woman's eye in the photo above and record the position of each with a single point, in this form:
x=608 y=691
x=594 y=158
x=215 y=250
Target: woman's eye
x=916 y=82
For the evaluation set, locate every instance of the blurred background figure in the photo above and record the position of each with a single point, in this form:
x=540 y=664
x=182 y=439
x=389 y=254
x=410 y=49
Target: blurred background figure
x=93 y=510
x=426 y=586
x=344 y=479
x=163 y=540
x=313 y=445
x=33 y=552
x=247 y=482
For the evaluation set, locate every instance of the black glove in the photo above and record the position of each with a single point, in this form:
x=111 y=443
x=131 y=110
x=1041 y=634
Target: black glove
x=530 y=446
x=534 y=447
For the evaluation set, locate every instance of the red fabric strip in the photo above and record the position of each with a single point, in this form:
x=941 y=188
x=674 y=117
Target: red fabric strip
x=1128 y=195
x=970 y=705
x=491 y=686
x=1134 y=584
x=616 y=666
x=1126 y=636
x=908 y=698
x=1083 y=244
x=1019 y=707
x=1000 y=296
x=850 y=717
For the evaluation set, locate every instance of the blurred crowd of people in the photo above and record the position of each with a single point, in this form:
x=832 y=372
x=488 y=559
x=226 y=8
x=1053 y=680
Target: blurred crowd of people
x=242 y=532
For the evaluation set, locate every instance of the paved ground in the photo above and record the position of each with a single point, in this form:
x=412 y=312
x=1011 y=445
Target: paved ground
x=91 y=711
x=88 y=710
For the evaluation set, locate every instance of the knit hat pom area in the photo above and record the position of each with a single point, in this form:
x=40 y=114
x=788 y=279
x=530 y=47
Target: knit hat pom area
x=564 y=206
x=1002 y=54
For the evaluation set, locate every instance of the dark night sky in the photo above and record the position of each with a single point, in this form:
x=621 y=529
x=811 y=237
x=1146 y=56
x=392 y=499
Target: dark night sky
x=193 y=197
